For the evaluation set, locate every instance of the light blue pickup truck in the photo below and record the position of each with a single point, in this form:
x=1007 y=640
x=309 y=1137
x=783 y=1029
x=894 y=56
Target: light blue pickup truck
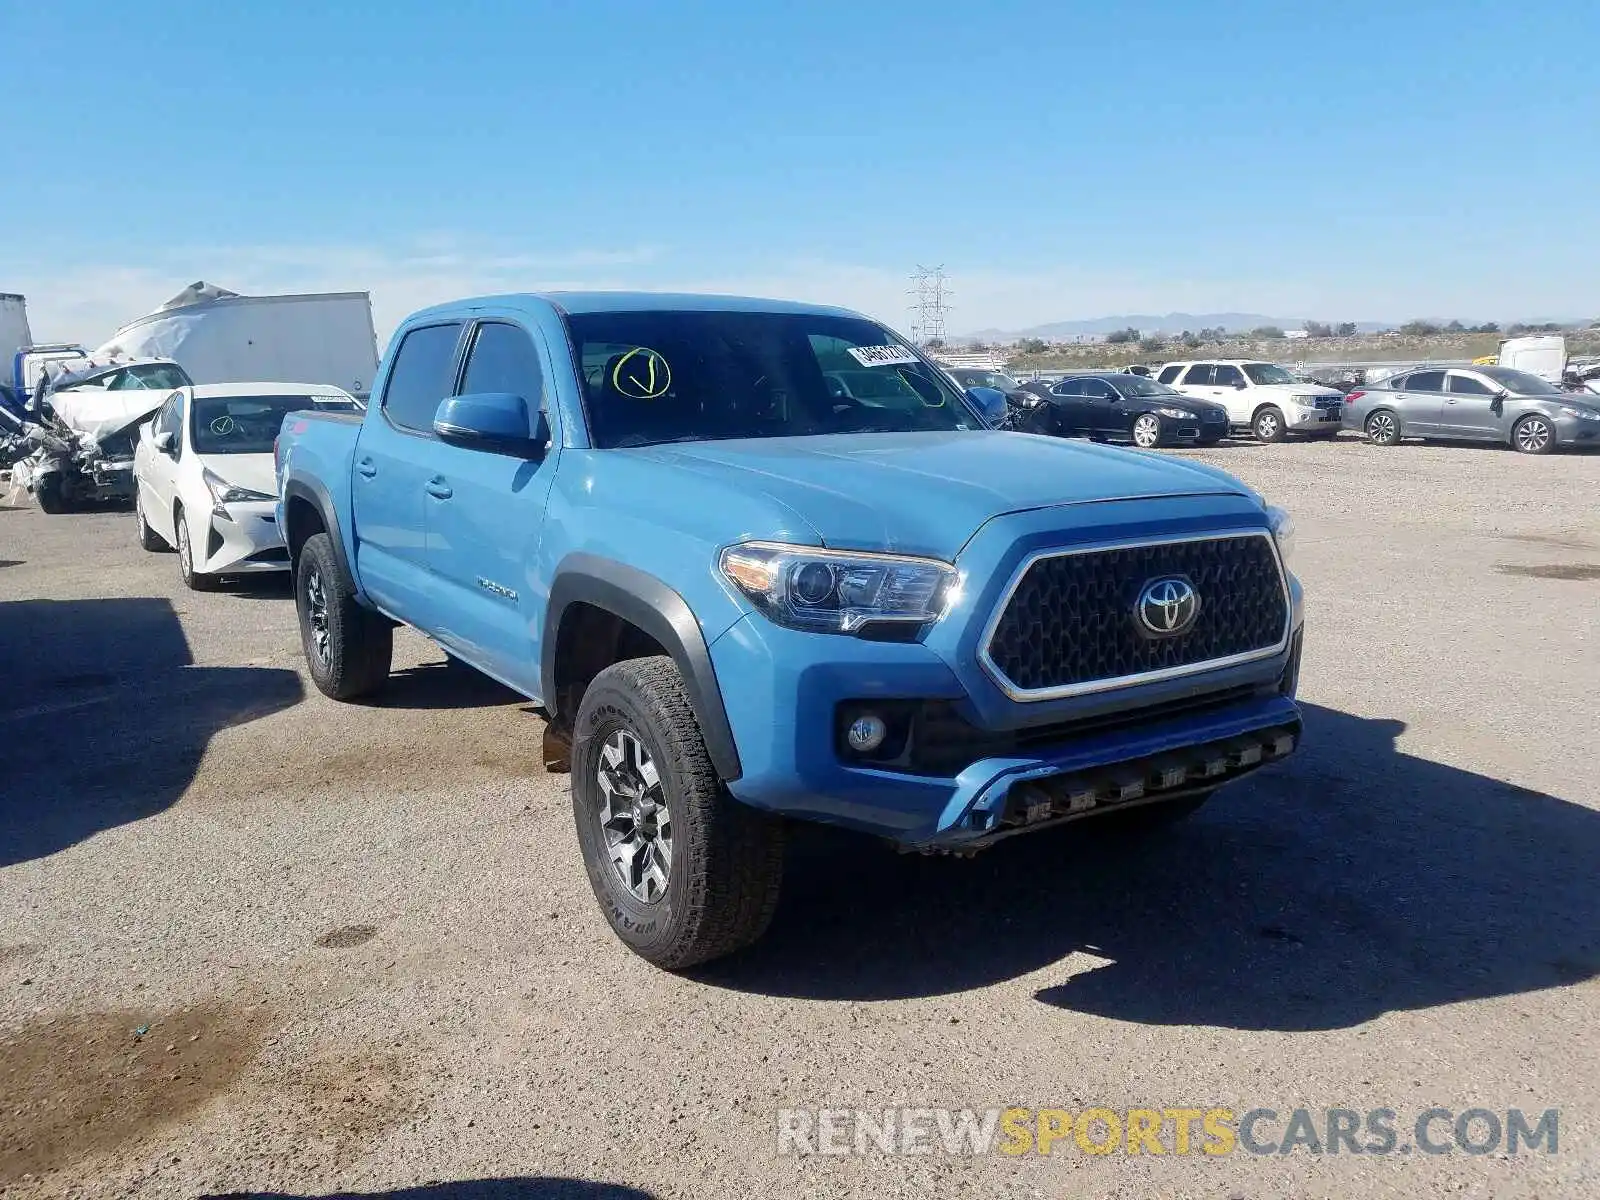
x=761 y=561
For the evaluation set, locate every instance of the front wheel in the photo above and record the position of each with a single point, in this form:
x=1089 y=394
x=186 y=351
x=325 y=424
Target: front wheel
x=195 y=581
x=683 y=872
x=1268 y=425
x=1147 y=431
x=149 y=539
x=50 y=494
x=348 y=647
x=1534 y=435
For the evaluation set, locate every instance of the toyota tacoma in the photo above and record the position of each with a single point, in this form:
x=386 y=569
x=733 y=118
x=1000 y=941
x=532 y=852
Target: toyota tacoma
x=743 y=595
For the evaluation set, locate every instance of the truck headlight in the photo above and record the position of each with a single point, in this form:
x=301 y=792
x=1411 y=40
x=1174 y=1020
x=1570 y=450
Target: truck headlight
x=1282 y=526
x=838 y=591
x=223 y=493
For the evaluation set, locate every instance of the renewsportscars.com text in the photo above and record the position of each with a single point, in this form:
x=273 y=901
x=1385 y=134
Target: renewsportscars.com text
x=1175 y=1131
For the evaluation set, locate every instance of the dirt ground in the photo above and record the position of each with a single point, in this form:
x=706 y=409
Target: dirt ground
x=253 y=941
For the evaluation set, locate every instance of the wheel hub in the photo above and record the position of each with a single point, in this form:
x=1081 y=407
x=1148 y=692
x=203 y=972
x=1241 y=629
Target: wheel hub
x=634 y=818
x=317 y=614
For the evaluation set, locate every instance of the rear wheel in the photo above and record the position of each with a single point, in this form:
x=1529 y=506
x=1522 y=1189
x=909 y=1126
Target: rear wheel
x=348 y=647
x=1534 y=435
x=1383 y=428
x=1268 y=425
x=1147 y=431
x=683 y=872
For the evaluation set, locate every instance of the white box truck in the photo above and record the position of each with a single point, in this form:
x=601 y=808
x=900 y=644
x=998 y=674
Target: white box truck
x=219 y=336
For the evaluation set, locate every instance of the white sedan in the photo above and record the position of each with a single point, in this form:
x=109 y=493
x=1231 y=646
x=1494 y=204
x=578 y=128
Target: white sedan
x=204 y=478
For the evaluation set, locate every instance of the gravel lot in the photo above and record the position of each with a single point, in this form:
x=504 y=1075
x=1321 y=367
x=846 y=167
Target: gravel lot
x=255 y=941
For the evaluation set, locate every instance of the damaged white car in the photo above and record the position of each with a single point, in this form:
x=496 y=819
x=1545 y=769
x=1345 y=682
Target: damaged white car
x=81 y=430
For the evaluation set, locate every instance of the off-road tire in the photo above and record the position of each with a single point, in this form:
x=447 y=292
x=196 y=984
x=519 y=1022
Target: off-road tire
x=1526 y=439
x=47 y=493
x=1268 y=424
x=359 y=642
x=149 y=539
x=727 y=859
x=1382 y=428
x=195 y=581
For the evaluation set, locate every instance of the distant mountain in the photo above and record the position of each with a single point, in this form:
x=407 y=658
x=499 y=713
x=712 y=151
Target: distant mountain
x=1149 y=323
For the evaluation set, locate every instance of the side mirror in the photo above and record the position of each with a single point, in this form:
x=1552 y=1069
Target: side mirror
x=490 y=421
x=164 y=441
x=1240 y=385
x=990 y=402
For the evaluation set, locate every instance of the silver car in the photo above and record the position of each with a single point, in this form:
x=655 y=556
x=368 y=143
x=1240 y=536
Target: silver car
x=1473 y=404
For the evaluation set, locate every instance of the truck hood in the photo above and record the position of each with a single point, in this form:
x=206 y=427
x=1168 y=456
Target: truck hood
x=928 y=493
x=100 y=413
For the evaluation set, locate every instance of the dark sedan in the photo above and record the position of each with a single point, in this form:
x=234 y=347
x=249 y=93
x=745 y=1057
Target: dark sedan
x=1147 y=413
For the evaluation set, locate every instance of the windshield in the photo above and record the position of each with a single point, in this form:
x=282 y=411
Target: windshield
x=158 y=376
x=1268 y=373
x=1139 y=385
x=249 y=424
x=682 y=376
x=989 y=379
x=1520 y=383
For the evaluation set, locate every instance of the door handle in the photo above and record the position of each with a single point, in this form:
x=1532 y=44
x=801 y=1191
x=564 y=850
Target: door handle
x=439 y=489
x=366 y=468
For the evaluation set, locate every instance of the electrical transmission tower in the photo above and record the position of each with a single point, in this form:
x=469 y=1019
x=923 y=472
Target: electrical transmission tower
x=930 y=290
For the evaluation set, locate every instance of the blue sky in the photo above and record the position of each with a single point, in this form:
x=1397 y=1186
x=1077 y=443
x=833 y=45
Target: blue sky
x=1345 y=161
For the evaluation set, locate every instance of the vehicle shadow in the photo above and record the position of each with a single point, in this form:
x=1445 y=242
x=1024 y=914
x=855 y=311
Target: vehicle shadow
x=526 y=1188
x=1351 y=880
x=271 y=585
x=447 y=684
x=103 y=719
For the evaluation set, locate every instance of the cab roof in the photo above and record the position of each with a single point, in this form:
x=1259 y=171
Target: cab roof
x=618 y=302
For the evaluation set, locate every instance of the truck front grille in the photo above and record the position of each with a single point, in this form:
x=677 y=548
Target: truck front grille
x=1070 y=624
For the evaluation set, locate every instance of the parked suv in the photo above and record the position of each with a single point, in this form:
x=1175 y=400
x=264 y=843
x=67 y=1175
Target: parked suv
x=1260 y=396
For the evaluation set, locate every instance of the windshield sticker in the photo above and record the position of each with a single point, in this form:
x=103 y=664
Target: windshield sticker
x=642 y=374
x=882 y=356
x=222 y=426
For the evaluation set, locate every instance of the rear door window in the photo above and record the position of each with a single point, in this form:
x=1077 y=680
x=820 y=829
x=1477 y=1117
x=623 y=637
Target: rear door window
x=1068 y=387
x=1226 y=377
x=1425 y=381
x=1169 y=374
x=422 y=375
x=1199 y=374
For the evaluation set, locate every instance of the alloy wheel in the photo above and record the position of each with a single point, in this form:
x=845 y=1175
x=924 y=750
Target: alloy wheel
x=1533 y=435
x=634 y=816
x=185 y=554
x=1381 y=428
x=316 y=594
x=1146 y=432
x=1266 y=427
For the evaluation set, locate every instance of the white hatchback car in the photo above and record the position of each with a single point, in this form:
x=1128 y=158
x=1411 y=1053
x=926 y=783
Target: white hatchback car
x=204 y=477
x=1260 y=396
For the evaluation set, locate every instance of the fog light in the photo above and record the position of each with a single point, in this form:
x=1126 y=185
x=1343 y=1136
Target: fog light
x=866 y=733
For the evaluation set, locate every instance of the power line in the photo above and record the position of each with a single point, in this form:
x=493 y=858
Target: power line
x=930 y=290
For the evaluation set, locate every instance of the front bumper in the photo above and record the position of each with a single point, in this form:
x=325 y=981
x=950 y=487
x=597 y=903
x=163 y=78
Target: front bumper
x=1300 y=419
x=246 y=541
x=1577 y=431
x=1092 y=754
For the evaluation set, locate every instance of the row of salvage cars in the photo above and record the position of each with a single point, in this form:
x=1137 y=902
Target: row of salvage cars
x=1199 y=403
x=196 y=460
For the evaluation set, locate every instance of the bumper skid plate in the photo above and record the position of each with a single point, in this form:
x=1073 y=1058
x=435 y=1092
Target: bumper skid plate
x=1052 y=799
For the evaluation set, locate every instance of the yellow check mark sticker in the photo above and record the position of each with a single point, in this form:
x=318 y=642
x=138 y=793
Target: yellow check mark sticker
x=642 y=373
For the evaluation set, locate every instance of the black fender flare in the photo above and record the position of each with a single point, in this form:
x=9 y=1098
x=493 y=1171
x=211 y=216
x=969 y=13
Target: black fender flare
x=315 y=493
x=645 y=601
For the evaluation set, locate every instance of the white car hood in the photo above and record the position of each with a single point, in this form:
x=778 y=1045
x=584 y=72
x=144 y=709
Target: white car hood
x=253 y=471
x=98 y=412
